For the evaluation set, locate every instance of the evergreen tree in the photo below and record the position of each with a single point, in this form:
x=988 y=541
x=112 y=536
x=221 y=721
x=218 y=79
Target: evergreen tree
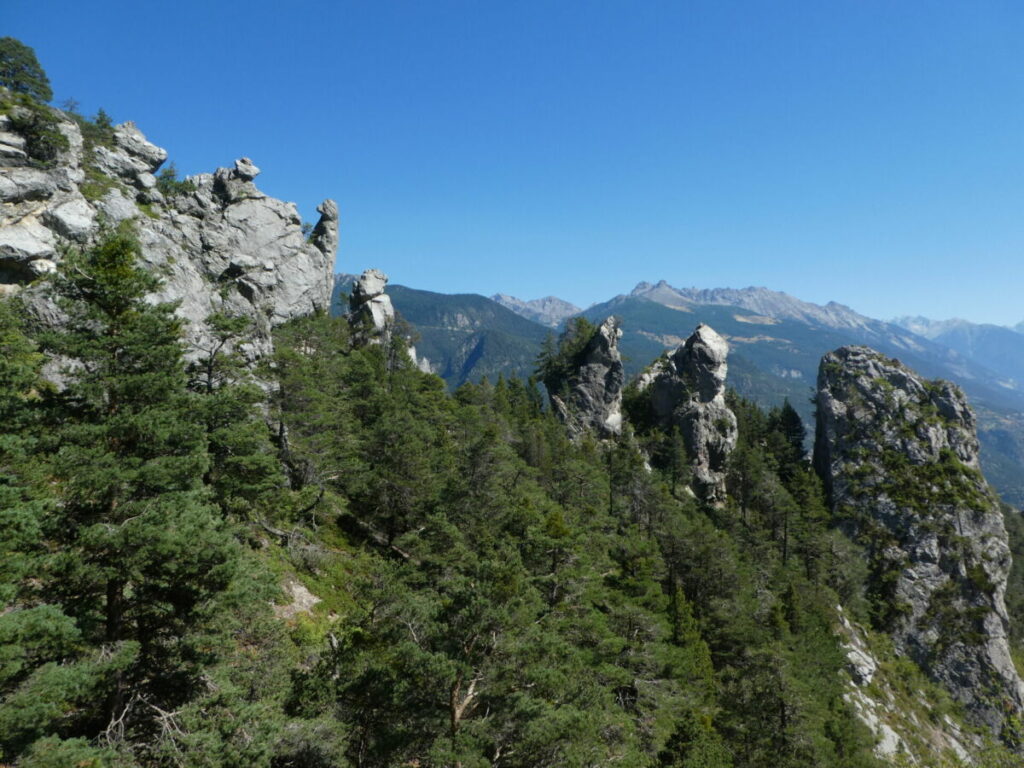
x=138 y=555
x=20 y=70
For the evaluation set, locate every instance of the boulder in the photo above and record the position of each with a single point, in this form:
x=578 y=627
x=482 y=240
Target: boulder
x=245 y=169
x=21 y=184
x=129 y=138
x=27 y=240
x=74 y=219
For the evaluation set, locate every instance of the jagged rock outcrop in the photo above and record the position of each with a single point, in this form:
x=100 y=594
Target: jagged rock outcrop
x=218 y=243
x=591 y=396
x=370 y=311
x=899 y=456
x=687 y=390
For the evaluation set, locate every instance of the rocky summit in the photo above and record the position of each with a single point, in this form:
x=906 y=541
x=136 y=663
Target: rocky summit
x=687 y=390
x=371 y=313
x=591 y=398
x=899 y=456
x=219 y=244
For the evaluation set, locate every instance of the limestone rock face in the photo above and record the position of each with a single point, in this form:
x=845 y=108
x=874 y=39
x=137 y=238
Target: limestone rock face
x=371 y=314
x=594 y=399
x=687 y=390
x=219 y=246
x=899 y=456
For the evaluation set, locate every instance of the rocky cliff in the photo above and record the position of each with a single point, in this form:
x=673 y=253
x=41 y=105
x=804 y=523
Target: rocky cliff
x=219 y=244
x=899 y=456
x=370 y=312
x=687 y=390
x=592 y=396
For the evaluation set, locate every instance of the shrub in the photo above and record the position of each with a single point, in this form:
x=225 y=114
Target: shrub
x=38 y=124
x=170 y=185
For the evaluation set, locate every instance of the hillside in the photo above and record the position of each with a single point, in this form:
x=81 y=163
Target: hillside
x=776 y=339
x=240 y=526
x=465 y=336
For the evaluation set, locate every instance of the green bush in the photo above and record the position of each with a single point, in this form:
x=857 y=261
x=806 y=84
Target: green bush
x=170 y=185
x=38 y=124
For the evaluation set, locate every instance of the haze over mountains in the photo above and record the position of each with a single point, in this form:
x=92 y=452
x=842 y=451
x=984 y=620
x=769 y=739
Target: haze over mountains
x=777 y=341
x=550 y=310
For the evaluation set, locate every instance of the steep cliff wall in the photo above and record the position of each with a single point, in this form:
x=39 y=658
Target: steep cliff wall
x=687 y=390
x=899 y=456
x=219 y=244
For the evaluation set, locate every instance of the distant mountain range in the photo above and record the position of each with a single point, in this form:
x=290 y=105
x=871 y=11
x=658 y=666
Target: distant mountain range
x=996 y=347
x=549 y=311
x=464 y=336
x=777 y=342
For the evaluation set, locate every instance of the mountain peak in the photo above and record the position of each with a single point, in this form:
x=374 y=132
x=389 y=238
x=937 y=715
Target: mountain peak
x=756 y=299
x=550 y=310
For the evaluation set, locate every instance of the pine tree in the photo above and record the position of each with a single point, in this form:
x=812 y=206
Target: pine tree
x=20 y=70
x=139 y=554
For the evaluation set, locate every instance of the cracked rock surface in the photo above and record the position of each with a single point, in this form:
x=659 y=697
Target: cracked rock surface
x=218 y=243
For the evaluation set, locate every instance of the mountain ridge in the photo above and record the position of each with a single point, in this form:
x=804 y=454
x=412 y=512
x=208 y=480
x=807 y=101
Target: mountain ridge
x=550 y=310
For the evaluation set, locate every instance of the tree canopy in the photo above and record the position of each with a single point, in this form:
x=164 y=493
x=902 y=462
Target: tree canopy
x=20 y=70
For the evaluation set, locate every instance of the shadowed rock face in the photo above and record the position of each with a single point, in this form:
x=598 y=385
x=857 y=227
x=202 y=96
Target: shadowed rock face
x=687 y=390
x=219 y=246
x=594 y=399
x=899 y=456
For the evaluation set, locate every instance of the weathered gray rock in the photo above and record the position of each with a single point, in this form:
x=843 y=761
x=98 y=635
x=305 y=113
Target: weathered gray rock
x=235 y=184
x=41 y=267
x=687 y=390
x=20 y=184
x=129 y=138
x=325 y=233
x=226 y=247
x=591 y=398
x=116 y=208
x=26 y=240
x=74 y=219
x=899 y=456
x=118 y=164
x=12 y=148
x=371 y=313
x=145 y=181
x=245 y=169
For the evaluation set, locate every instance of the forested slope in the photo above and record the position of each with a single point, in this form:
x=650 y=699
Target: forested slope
x=484 y=591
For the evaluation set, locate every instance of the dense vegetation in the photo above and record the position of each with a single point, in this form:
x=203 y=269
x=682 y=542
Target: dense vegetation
x=20 y=71
x=492 y=594
x=368 y=571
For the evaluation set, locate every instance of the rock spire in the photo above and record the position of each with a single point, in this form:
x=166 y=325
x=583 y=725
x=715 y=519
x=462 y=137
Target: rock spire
x=590 y=397
x=899 y=456
x=687 y=390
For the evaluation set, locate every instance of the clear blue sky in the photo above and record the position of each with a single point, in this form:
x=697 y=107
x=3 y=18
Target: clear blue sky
x=865 y=151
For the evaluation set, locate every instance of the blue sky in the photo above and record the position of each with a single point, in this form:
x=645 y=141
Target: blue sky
x=867 y=152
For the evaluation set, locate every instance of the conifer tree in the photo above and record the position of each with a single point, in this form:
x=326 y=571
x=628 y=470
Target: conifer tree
x=139 y=555
x=20 y=70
